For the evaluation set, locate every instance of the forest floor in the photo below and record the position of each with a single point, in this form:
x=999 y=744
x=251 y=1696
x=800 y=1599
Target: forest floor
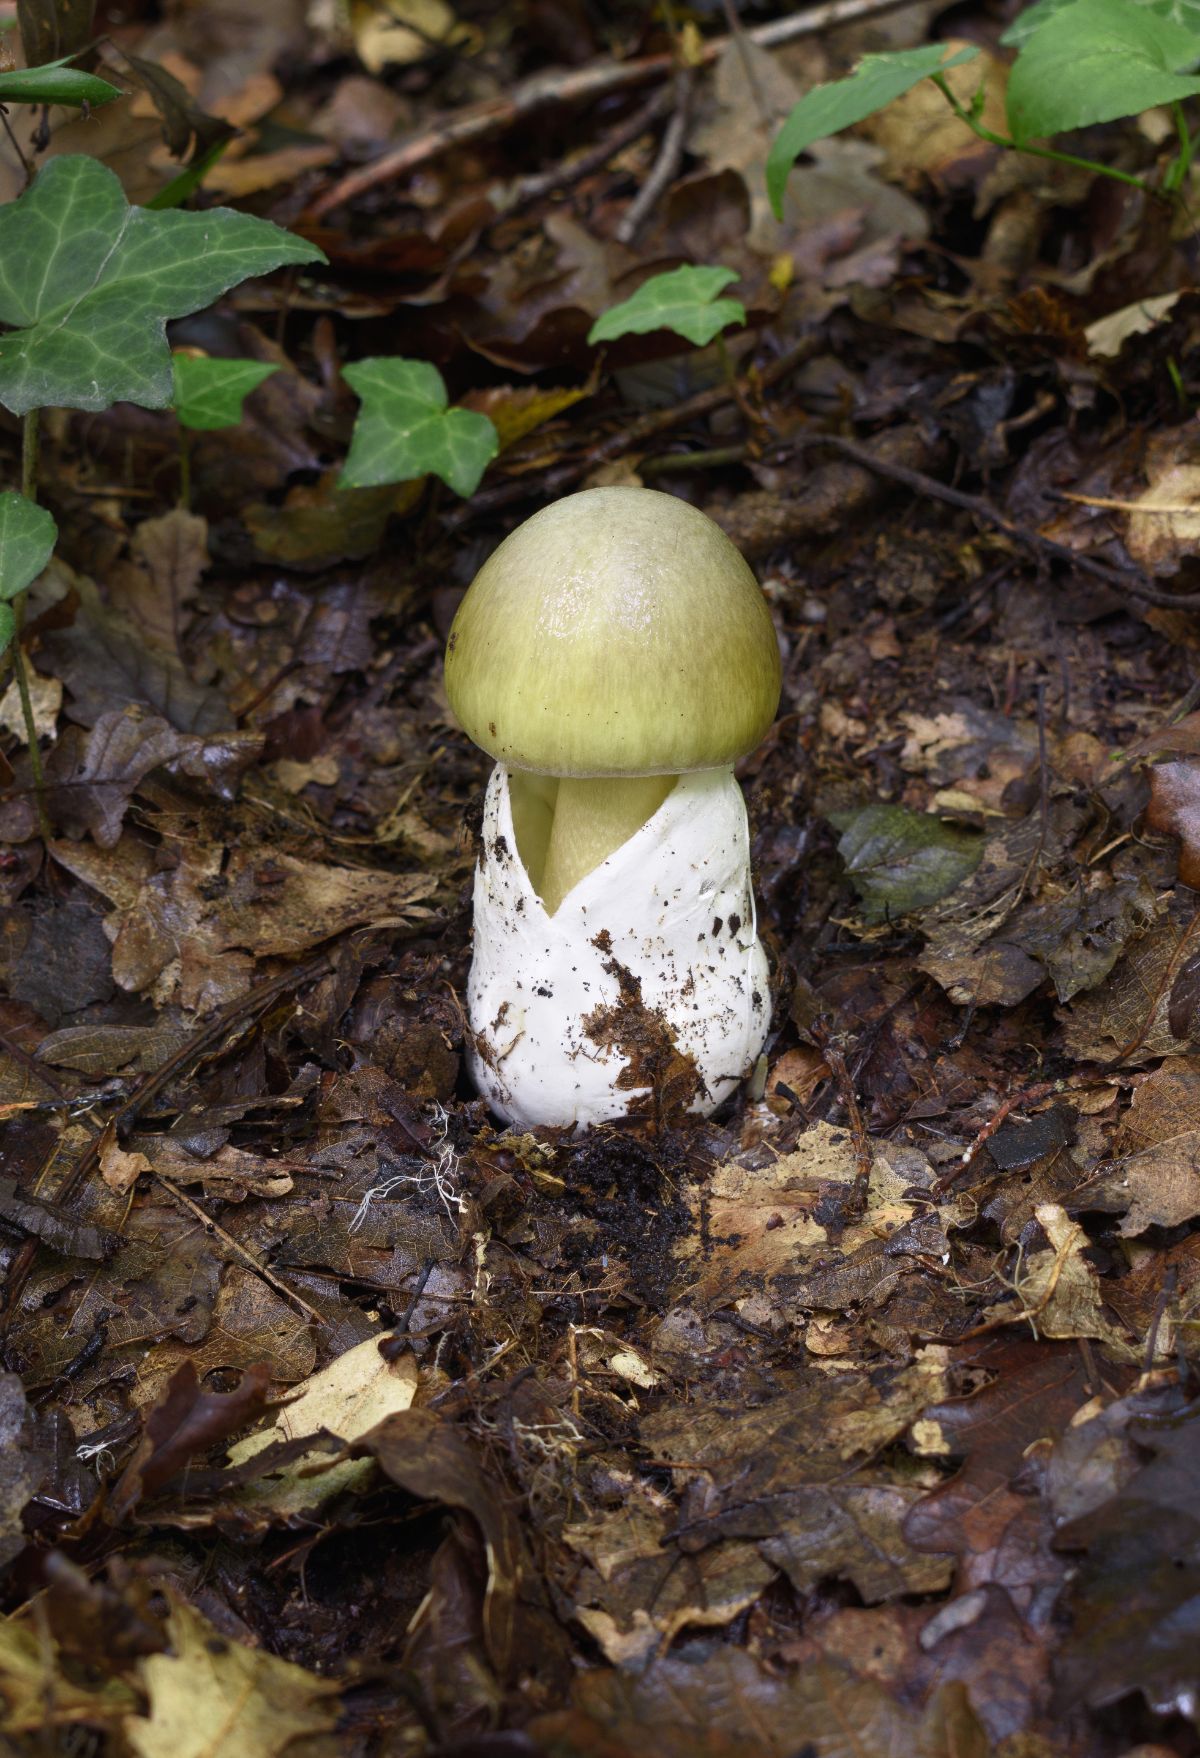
x=860 y=1419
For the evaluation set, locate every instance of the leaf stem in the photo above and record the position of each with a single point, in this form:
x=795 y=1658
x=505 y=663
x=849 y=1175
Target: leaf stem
x=1181 y=164
x=29 y=454
x=1036 y=152
x=31 y=733
x=29 y=473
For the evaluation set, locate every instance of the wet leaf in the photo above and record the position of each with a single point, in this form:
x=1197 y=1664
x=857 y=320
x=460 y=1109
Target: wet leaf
x=685 y=300
x=91 y=777
x=46 y=1221
x=89 y=311
x=168 y=556
x=107 y=662
x=1154 y=1178
x=187 y=1420
x=979 y=1514
x=1058 y=1292
x=190 y=132
x=899 y=860
x=724 y=1705
x=1175 y=809
x=23 y=1465
x=1135 y=1599
x=422 y=1452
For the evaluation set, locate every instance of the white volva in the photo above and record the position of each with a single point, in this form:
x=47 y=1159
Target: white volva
x=655 y=947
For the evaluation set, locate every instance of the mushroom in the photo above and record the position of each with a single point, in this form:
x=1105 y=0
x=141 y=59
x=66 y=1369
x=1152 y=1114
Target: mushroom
x=615 y=655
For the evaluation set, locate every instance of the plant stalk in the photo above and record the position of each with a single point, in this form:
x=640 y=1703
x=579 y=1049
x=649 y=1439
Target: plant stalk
x=1181 y=164
x=29 y=474
x=185 y=468
x=1037 y=152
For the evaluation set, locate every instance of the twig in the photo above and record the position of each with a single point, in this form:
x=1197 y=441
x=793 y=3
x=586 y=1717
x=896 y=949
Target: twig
x=256 y=1002
x=26 y=167
x=716 y=458
x=260 y=1269
x=238 y=1013
x=666 y=165
x=1121 y=580
x=579 y=85
x=541 y=183
x=737 y=33
x=635 y=433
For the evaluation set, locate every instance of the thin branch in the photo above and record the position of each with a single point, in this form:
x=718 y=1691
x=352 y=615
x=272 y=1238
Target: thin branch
x=635 y=433
x=231 y=1244
x=574 y=86
x=1120 y=579
x=541 y=183
x=666 y=165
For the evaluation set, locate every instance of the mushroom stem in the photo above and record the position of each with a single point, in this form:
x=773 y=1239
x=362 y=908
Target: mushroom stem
x=593 y=817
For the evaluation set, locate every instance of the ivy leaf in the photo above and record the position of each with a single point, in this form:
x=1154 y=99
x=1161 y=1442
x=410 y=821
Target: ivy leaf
x=1027 y=23
x=210 y=393
x=1096 y=60
x=684 y=300
x=55 y=83
x=27 y=538
x=405 y=429
x=88 y=283
x=899 y=860
x=827 y=109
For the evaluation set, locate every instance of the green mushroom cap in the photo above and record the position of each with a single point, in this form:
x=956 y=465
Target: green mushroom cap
x=617 y=632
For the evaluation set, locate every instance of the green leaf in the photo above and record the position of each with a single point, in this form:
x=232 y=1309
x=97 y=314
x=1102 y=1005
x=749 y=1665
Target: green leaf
x=899 y=860
x=827 y=109
x=1095 y=60
x=1024 y=26
x=27 y=538
x=684 y=300
x=179 y=189
x=56 y=83
x=210 y=393
x=89 y=283
x=405 y=430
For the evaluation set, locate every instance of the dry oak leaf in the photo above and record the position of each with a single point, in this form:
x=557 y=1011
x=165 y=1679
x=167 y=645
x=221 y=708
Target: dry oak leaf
x=37 y=1697
x=345 y=1399
x=1059 y=1292
x=214 y=1698
x=1156 y=1176
x=1129 y=1018
x=640 y=1590
x=156 y=587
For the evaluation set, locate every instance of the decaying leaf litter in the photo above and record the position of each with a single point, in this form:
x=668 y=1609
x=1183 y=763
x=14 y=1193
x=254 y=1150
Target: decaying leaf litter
x=859 y=1419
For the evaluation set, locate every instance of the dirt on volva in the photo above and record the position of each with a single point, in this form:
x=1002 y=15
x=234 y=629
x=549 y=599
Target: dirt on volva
x=858 y=1418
